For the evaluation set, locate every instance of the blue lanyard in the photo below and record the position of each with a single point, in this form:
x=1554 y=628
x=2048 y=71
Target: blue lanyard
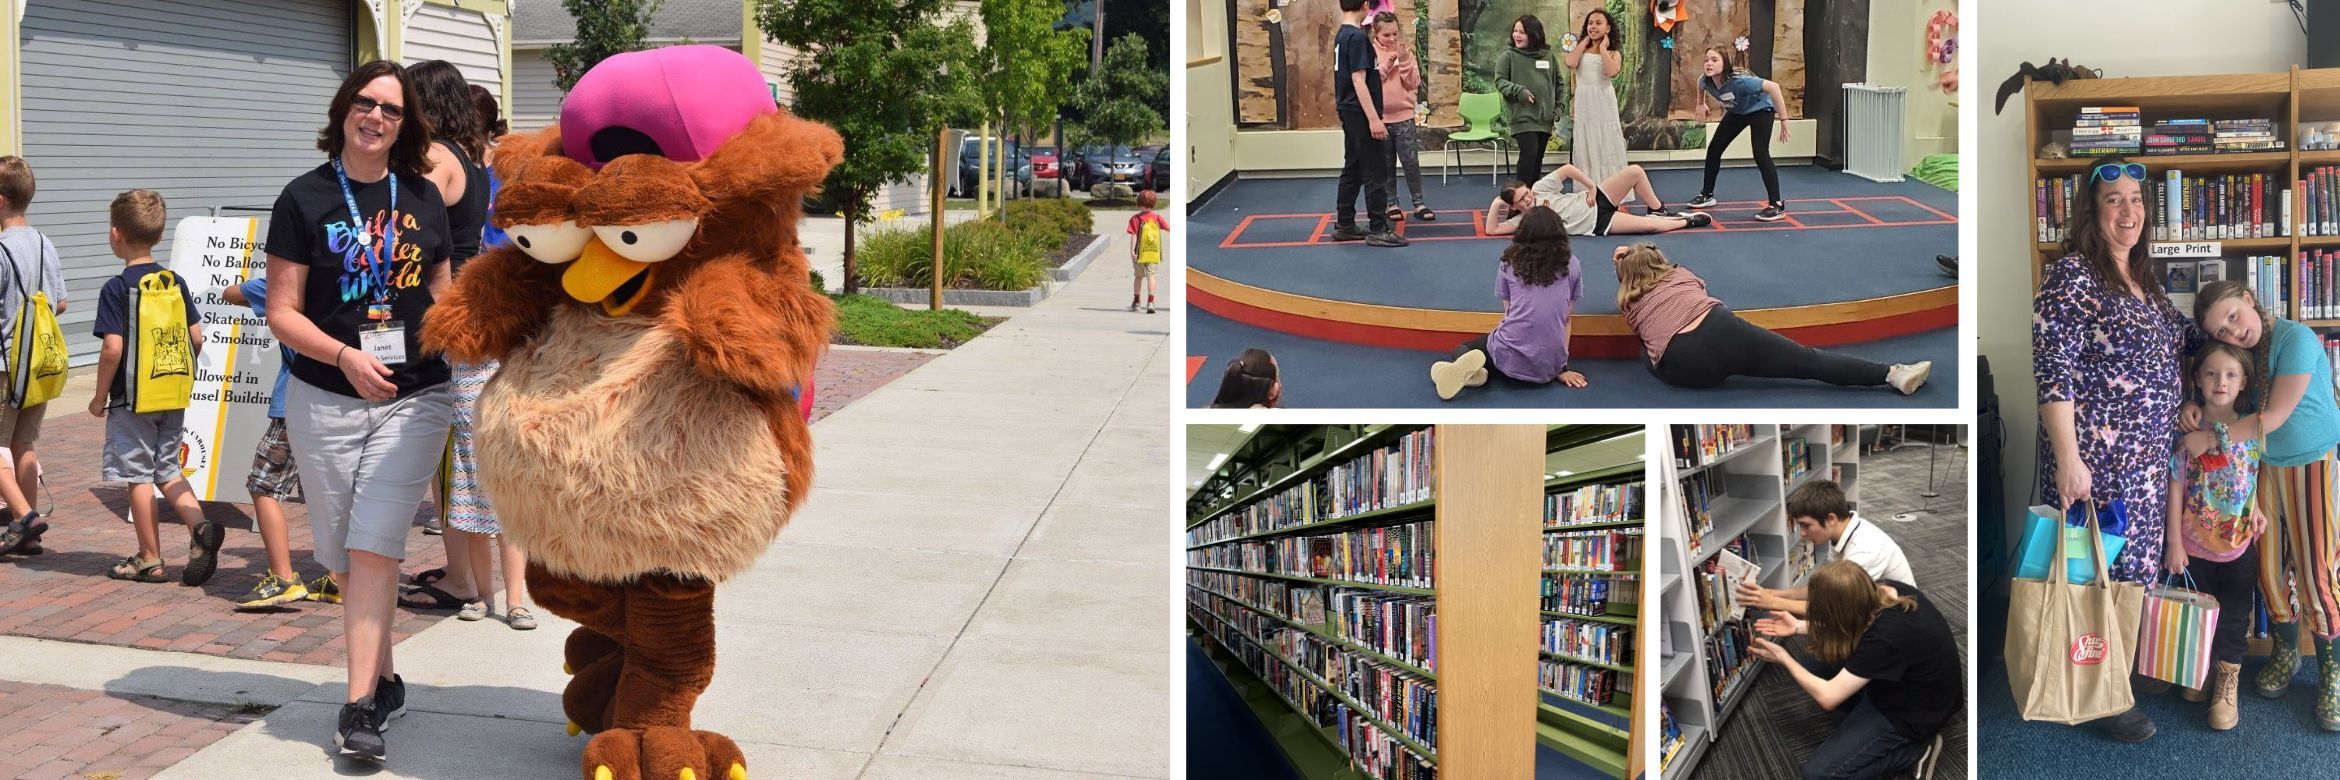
x=380 y=270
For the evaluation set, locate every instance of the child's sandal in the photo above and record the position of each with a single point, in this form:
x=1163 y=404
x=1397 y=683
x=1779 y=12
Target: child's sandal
x=137 y=569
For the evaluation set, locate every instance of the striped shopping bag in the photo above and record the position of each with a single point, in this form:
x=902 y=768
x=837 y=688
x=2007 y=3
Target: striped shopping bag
x=2173 y=638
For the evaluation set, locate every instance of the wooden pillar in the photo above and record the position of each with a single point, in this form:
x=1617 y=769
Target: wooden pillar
x=1489 y=526
x=11 y=81
x=1443 y=63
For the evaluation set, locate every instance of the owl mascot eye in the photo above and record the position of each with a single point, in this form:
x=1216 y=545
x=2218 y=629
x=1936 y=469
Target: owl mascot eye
x=646 y=436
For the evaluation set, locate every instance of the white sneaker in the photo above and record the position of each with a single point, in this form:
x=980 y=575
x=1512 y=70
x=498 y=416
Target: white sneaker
x=1927 y=762
x=1451 y=376
x=1478 y=378
x=1908 y=377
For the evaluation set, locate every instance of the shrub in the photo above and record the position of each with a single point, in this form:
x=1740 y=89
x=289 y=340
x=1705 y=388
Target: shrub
x=1050 y=220
x=979 y=255
x=819 y=284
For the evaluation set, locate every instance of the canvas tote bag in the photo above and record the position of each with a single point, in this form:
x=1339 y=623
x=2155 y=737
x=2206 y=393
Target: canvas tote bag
x=2070 y=647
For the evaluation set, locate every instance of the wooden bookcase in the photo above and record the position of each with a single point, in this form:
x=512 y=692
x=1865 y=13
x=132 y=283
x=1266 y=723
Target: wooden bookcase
x=1751 y=483
x=1603 y=737
x=1486 y=507
x=2287 y=98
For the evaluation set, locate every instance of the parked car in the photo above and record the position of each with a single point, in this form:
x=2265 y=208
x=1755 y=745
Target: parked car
x=1158 y=172
x=1093 y=165
x=971 y=162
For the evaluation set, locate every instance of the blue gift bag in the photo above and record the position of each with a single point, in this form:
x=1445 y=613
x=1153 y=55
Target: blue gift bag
x=2039 y=541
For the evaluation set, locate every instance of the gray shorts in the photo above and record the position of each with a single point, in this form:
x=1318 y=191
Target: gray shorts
x=143 y=448
x=395 y=444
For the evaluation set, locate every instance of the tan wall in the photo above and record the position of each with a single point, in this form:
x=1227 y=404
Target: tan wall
x=1897 y=46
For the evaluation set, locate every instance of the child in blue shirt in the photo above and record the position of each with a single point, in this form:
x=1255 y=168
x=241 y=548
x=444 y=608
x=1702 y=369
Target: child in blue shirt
x=1748 y=102
x=274 y=480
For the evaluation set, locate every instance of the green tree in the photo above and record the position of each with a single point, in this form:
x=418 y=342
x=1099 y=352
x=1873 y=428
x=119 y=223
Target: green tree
x=604 y=28
x=887 y=75
x=1028 y=64
x=1116 y=105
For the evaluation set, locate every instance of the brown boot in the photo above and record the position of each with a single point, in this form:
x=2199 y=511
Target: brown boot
x=2195 y=695
x=2223 y=713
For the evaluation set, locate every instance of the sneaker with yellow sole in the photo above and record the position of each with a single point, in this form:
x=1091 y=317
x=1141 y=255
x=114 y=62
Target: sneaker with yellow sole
x=325 y=589
x=273 y=591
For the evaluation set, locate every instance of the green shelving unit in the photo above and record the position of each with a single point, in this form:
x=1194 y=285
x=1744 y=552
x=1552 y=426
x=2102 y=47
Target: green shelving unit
x=1600 y=736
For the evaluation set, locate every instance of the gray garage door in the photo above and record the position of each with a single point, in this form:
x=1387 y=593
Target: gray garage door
x=209 y=102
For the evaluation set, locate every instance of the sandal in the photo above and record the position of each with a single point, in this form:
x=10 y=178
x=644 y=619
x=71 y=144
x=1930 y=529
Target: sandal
x=439 y=599
x=520 y=619
x=427 y=576
x=23 y=536
x=136 y=569
x=1425 y=214
x=1395 y=214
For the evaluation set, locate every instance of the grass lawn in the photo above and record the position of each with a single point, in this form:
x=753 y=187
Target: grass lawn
x=875 y=322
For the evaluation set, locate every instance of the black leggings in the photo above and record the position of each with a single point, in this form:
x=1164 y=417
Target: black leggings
x=1531 y=156
x=1725 y=346
x=1727 y=132
x=2233 y=583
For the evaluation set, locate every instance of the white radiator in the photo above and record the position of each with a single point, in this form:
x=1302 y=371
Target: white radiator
x=1873 y=131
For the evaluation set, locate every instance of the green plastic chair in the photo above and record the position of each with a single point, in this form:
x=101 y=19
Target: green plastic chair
x=1479 y=110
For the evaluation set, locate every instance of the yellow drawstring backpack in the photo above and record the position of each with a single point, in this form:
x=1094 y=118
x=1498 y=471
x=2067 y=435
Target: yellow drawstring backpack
x=37 y=358
x=160 y=362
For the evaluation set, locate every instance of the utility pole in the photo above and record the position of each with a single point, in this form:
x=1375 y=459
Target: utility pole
x=1097 y=37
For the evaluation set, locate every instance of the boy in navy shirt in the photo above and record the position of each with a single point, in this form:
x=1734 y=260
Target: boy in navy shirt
x=1364 y=139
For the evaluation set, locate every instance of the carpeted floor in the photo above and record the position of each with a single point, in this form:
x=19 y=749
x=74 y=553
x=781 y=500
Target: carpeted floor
x=1836 y=235
x=1223 y=738
x=1772 y=734
x=1326 y=374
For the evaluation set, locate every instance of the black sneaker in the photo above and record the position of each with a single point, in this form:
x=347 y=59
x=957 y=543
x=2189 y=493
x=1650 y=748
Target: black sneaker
x=389 y=700
x=360 y=735
x=1349 y=232
x=1772 y=213
x=1386 y=238
x=1702 y=201
x=2132 y=726
x=1660 y=210
x=1698 y=219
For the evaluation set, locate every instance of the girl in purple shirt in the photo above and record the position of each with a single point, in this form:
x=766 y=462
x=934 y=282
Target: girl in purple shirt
x=1538 y=286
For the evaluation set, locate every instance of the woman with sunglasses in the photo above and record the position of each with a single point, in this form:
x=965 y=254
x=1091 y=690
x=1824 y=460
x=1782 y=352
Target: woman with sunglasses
x=2291 y=406
x=358 y=250
x=2107 y=349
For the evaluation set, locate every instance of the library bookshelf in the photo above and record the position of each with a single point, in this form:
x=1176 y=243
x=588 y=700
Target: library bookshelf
x=1463 y=659
x=2287 y=99
x=1594 y=527
x=1728 y=492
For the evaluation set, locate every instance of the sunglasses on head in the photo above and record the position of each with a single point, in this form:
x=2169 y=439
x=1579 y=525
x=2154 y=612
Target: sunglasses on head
x=2111 y=172
x=391 y=111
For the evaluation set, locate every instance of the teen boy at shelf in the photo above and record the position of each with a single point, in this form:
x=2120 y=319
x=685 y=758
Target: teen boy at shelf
x=1824 y=518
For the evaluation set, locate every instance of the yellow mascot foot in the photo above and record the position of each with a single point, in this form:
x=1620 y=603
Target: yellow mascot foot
x=575 y=729
x=663 y=753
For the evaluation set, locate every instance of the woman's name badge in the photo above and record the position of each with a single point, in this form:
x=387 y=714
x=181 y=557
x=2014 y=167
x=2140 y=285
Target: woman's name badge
x=1543 y=64
x=385 y=341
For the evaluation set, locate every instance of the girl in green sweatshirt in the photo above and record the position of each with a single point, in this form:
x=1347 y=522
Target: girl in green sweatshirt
x=1528 y=77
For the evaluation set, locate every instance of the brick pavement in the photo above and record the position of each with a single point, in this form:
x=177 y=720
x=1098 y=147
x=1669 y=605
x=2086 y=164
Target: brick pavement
x=63 y=594
x=57 y=732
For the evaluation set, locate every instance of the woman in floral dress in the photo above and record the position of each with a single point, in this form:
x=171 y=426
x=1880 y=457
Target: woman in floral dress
x=2106 y=346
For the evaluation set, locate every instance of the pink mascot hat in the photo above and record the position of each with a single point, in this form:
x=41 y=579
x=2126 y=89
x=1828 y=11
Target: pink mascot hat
x=679 y=102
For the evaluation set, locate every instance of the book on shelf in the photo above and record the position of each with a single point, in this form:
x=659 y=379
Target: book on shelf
x=1698 y=495
x=1716 y=602
x=1617 y=550
x=1669 y=737
x=2184 y=208
x=1589 y=684
x=1736 y=571
x=2271 y=278
x=2107 y=130
x=1394 y=475
x=1798 y=454
x=1401 y=627
x=1582 y=595
x=1402 y=555
x=1593 y=504
x=1590 y=640
x=1697 y=445
x=1727 y=658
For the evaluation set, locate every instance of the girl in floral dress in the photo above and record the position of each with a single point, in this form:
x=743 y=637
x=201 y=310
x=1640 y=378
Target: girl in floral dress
x=2106 y=346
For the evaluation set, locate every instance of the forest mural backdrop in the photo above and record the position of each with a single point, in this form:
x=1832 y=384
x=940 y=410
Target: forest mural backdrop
x=1283 y=58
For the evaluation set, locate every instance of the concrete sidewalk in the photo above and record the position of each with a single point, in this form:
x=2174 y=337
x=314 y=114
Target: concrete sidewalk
x=975 y=589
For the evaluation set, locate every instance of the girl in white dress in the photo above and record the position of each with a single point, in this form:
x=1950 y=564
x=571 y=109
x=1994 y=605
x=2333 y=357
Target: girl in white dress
x=1599 y=146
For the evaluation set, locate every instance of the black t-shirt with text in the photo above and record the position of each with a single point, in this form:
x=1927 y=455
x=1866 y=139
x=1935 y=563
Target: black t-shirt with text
x=1911 y=662
x=1353 y=52
x=311 y=226
x=113 y=319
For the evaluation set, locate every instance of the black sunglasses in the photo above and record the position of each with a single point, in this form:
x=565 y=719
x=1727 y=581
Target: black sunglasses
x=391 y=111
